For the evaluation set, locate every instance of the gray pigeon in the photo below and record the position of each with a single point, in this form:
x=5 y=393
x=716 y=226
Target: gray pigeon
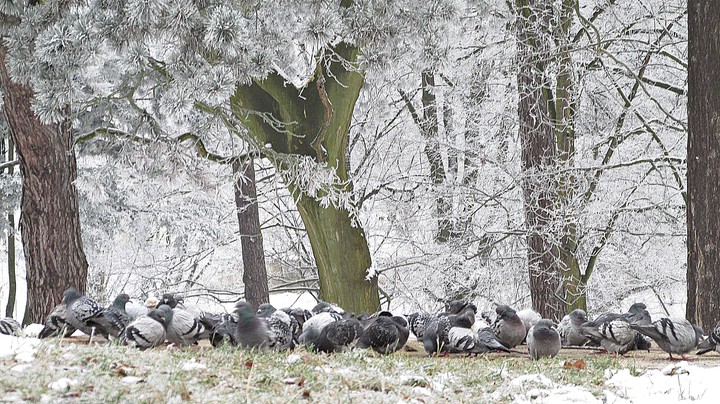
x=543 y=341
x=224 y=330
x=181 y=327
x=325 y=307
x=673 y=335
x=613 y=332
x=712 y=342
x=436 y=336
x=417 y=322
x=529 y=317
x=114 y=317
x=338 y=336
x=135 y=310
x=508 y=327
x=168 y=299
x=146 y=331
x=314 y=325
x=250 y=331
x=384 y=334
x=569 y=335
x=461 y=339
x=56 y=324
x=83 y=312
x=9 y=326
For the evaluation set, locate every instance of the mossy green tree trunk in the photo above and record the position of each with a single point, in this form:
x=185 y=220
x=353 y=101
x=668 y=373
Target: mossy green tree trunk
x=289 y=124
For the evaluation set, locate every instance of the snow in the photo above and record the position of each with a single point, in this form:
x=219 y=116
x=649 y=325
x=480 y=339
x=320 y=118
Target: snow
x=20 y=348
x=193 y=364
x=677 y=382
x=62 y=384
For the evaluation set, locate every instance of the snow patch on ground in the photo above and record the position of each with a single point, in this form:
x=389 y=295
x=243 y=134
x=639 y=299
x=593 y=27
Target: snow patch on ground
x=675 y=383
x=22 y=349
x=193 y=364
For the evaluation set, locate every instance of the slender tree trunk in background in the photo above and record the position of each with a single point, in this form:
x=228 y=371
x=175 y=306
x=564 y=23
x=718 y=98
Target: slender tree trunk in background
x=537 y=137
x=50 y=222
x=12 y=279
x=703 y=160
x=253 y=255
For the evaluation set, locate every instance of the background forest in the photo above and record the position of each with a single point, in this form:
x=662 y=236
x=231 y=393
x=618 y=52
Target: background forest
x=440 y=171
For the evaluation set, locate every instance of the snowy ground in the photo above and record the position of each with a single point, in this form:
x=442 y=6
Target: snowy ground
x=70 y=370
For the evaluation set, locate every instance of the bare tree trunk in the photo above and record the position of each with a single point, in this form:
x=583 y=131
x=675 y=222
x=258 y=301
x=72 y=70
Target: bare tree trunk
x=537 y=136
x=12 y=279
x=50 y=223
x=253 y=254
x=703 y=160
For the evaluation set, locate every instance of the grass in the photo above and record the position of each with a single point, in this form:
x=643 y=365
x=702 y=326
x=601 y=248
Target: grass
x=110 y=373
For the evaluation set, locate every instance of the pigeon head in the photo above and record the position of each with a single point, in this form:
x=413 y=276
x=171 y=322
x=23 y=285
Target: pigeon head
x=266 y=310
x=637 y=307
x=544 y=323
x=168 y=299
x=121 y=300
x=244 y=310
x=456 y=306
x=165 y=312
x=157 y=315
x=323 y=307
x=70 y=295
x=179 y=299
x=640 y=316
x=577 y=317
x=152 y=302
x=505 y=311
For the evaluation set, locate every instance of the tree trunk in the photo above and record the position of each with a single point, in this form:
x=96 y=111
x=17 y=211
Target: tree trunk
x=253 y=254
x=338 y=245
x=703 y=160
x=537 y=136
x=50 y=223
x=313 y=122
x=12 y=279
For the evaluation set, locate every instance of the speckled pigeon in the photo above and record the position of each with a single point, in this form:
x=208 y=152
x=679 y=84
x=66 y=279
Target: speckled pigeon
x=181 y=327
x=146 y=331
x=543 y=340
x=56 y=324
x=712 y=342
x=436 y=336
x=83 y=313
x=250 y=331
x=298 y=317
x=280 y=327
x=114 y=317
x=9 y=326
x=417 y=322
x=338 y=336
x=673 y=335
x=508 y=327
x=384 y=334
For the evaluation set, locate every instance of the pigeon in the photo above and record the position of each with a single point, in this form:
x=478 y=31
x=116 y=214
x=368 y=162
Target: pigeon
x=298 y=318
x=508 y=327
x=181 y=327
x=114 y=317
x=314 y=325
x=325 y=307
x=9 y=326
x=384 y=334
x=147 y=331
x=250 y=331
x=436 y=336
x=152 y=302
x=673 y=335
x=280 y=328
x=168 y=299
x=529 y=317
x=55 y=323
x=613 y=332
x=543 y=340
x=569 y=335
x=417 y=322
x=224 y=330
x=711 y=343
x=83 y=312
x=338 y=336
x=461 y=339
x=135 y=310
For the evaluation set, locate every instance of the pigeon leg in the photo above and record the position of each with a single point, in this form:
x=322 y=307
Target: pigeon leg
x=685 y=358
x=92 y=332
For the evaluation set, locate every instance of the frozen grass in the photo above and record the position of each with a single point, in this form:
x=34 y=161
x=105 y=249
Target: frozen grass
x=110 y=373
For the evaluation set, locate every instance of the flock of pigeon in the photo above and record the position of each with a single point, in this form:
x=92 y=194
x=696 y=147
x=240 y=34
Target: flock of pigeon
x=326 y=328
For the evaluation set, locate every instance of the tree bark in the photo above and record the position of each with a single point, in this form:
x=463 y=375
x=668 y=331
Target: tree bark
x=703 y=160
x=253 y=255
x=314 y=122
x=50 y=223
x=12 y=279
x=538 y=155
